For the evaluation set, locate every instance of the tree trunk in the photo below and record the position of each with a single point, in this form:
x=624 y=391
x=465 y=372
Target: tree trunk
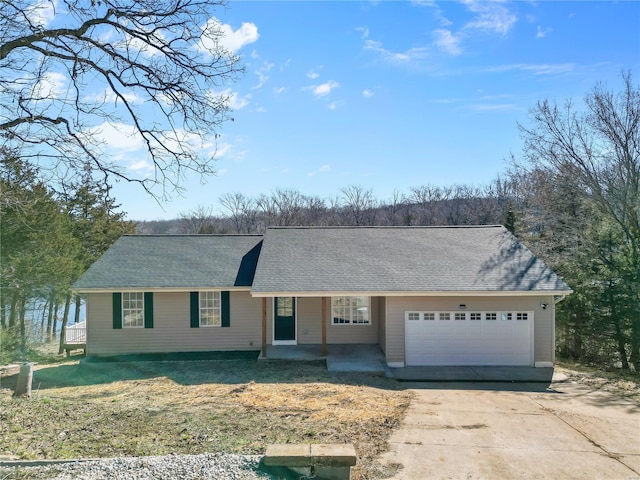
x=42 y=320
x=621 y=342
x=76 y=314
x=12 y=312
x=3 y=313
x=54 y=323
x=65 y=319
x=23 y=327
x=49 y=318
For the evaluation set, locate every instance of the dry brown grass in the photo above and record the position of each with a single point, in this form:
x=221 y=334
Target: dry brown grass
x=239 y=406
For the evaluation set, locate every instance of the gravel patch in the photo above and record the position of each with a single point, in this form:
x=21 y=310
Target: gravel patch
x=208 y=466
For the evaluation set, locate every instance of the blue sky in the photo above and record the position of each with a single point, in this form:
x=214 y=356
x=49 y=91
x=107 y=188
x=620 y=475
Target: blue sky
x=390 y=95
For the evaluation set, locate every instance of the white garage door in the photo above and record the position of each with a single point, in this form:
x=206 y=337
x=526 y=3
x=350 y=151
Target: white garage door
x=468 y=338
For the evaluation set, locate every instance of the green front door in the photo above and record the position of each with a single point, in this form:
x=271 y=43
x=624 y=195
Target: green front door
x=284 y=319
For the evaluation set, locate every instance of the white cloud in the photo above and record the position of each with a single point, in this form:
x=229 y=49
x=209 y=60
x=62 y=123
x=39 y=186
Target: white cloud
x=108 y=96
x=536 y=69
x=447 y=41
x=413 y=54
x=262 y=74
x=323 y=169
x=368 y=93
x=279 y=90
x=215 y=33
x=491 y=16
x=324 y=88
x=336 y=104
x=50 y=85
x=312 y=75
x=542 y=32
x=364 y=32
x=237 y=102
x=492 y=107
x=125 y=146
x=42 y=12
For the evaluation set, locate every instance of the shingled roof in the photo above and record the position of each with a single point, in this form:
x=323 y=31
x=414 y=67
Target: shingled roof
x=174 y=261
x=412 y=260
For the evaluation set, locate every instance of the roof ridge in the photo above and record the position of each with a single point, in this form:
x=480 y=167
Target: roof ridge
x=380 y=227
x=147 y=235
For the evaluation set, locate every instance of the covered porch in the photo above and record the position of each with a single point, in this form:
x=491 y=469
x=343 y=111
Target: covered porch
x=340 y=358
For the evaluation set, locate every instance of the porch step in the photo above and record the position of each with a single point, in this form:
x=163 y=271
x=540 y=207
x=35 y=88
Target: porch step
x=323 y=461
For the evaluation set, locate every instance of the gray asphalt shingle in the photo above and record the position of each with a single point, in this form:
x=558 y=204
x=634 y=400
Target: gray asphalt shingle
x=399 y=259
x=175 y=261
x=327 y=259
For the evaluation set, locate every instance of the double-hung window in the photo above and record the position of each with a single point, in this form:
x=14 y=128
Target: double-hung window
x=210 y=309
x=133 y=310
x=351 y=310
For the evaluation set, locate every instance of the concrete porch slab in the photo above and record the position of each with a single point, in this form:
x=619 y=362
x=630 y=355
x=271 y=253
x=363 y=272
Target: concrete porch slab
x=475 y=374
x=340 y=358
x=304 y=353
x=355 y=358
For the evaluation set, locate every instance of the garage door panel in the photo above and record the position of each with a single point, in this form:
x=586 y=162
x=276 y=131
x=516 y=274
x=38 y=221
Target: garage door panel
x=477 y=338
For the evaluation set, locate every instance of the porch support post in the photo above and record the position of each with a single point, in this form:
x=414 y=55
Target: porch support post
x=324 y=326
x=264 y=327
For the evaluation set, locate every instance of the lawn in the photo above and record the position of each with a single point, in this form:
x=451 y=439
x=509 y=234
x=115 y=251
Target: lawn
x=82 y=409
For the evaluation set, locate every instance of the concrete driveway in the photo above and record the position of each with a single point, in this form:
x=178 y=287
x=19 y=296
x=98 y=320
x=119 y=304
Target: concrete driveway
x=523 y=431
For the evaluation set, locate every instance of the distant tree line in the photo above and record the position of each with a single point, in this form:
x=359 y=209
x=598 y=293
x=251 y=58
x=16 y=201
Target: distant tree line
x=354 y=205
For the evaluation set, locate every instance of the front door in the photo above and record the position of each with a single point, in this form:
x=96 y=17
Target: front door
x=284 y=320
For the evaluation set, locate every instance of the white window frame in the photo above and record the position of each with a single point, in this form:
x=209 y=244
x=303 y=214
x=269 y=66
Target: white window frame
x=209 y=297
x=348 y=315
x=137 y=310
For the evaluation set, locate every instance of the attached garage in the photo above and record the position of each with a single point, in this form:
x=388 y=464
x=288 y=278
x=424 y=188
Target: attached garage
x=438 y=338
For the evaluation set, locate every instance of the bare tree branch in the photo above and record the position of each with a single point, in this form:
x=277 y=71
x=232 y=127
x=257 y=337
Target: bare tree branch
x=150 y=69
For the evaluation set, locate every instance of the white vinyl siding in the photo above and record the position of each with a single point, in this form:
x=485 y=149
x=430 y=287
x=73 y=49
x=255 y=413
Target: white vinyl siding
x=171 y=331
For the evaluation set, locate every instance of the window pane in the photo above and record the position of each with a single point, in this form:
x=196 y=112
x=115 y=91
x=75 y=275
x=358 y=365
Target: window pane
x=429 y=316
x=350 y=310
x=132 y=309
x=210 y=308
x=445 y=316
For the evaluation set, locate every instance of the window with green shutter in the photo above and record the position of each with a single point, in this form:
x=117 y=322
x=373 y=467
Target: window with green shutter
x=209 y=308
x=132 y=310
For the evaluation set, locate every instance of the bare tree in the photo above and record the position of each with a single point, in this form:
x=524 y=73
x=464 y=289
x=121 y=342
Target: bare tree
x=395 y=210
x=200 y=220
x=359 y=206
x=241 y=209
x=596 y=150
x=151 y=71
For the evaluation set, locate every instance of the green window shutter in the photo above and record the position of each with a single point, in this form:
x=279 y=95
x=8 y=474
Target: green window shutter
x=226 y=309
x=148 y=309
x=195 y=309
x=117 y=310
